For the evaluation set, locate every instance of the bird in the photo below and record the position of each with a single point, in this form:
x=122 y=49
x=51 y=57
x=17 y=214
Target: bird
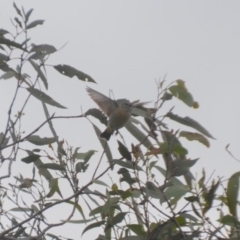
x=119 y=112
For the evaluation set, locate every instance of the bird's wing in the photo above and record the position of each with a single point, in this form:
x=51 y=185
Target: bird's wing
x=106 y=104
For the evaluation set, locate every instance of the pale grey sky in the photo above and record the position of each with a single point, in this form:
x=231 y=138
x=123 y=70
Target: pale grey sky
x=125 y=46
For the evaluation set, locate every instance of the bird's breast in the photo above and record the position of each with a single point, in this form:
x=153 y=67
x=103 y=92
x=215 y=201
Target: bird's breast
x=119 y=117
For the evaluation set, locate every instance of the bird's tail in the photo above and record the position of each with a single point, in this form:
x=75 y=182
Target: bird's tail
x=107 y=133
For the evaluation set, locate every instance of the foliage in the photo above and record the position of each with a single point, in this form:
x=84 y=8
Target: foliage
x=142 y=205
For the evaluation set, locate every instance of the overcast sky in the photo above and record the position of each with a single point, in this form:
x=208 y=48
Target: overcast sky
x=126 y=46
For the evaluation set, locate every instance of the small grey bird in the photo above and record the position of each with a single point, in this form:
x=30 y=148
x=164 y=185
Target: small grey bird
x=118 y=112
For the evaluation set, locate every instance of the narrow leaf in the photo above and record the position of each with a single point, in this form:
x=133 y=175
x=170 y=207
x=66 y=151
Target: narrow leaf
x=104 y=144
x=99 y=182
x=8 y=75
x=4 y=57
x=28 y=15
x=209 y=197
x=35 y=139
x=40 y=73
x=3 y=31
x=232 y=193
x=139 y=135
x=190 y=123
x=31 y=158
x=118 y=218
x=124 y=151
x=93 y=225
x=153 y=191
x=127 y=164
x=42 y=171
x=18 y=22
x=53 y=184
x=78 y=207
x=181 y=92
x=17 y=209
x=10 y=43
x=35 y=23
x=94 y=112
x=44 y=97
x=137 y=229
x=195 y=137
x=45 y=48
x=192 y=199
x=85 y=156
x=17 y=9
x=230 y=221
x=52 y=166
x=71 y=72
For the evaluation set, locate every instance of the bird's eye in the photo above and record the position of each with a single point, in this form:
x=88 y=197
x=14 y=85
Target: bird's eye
x=126 y=104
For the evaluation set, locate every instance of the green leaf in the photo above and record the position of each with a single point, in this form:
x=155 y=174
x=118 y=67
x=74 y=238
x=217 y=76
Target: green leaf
x=3 y=139
x=85 y=156
x=153 y=191
x=19 y=232
x=10 y=43
x=99 y=182
x=53 y=166
x=17 y=209
x=104 y=144
x=232 y=193
x=28 y=15
x=139 y=135
x=229 y=220
x=180 y=220
x=118 y=218
x=31 y=158
x=81 y=167
x=137 y=229
x=127 y=164
x=17 y=9
x=124 y=151
x=126 y=177
x=167 y=96
x=18 y=22
x=71 y=72
x=179 y=171
x=177 y=148
x=8 y=75
x=96 y=211
x=80 y=221
x=35 y=139
x=209 y=197
x=126 y=194
x=5 y=68
x=181 y=92
x=133 y=238
x=184 y=163
x=94 y=112
x=40 y=73
x=189 y=216
x=192 y=199
x=53 y=184
x=195 y=137
x=190 y=123
x=44 y=48
x=4 y=57
x=44 y=97
x=196 y=211
x=42 y=171
x=93 y=225
x=78 y=207
x=35 y=23
x=176 y=191
x=3 y=31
